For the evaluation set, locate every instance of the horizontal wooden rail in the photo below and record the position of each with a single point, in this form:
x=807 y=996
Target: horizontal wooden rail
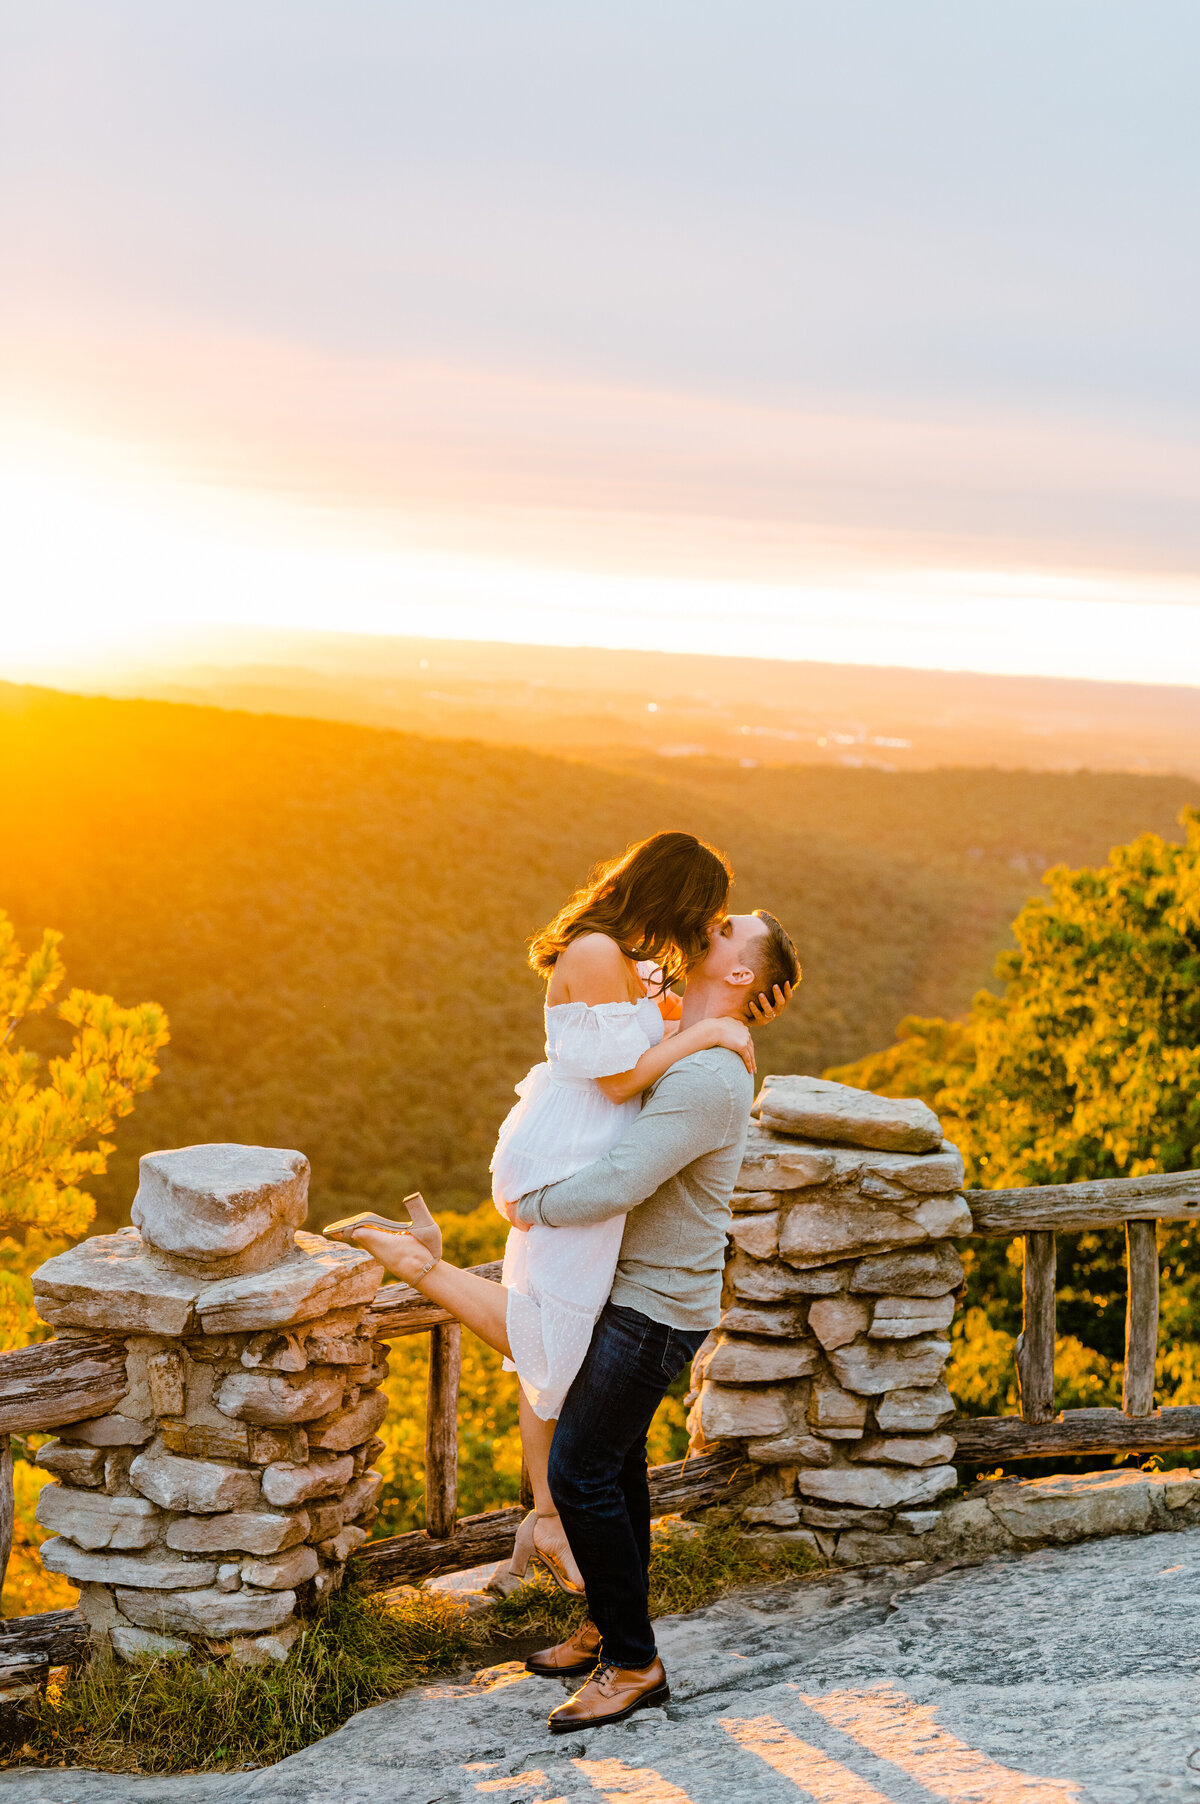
x=479 y=1540
x=31 y=1645
x=398 y=1309
x=1075 y=1208
x=59 y=1381
x=982 y=1439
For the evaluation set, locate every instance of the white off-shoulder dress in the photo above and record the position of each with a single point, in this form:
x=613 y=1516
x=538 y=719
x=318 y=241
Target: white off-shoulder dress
x=558 y=1279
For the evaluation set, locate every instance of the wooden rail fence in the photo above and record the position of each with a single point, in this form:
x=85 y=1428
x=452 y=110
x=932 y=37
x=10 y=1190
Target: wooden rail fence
x=1038 y=1215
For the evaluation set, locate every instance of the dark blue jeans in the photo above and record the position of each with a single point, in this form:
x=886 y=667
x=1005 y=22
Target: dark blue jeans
x=598 y=1470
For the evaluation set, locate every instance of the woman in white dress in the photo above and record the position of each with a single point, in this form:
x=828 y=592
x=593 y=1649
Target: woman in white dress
x=608 y=958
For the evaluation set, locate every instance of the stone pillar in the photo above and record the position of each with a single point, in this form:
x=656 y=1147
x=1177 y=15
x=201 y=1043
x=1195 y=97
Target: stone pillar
x=839 y=1294
x=222 y=1496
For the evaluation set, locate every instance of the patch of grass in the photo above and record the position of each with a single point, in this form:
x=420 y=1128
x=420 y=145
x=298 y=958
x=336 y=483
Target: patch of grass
x=175 y=1715
x=688 y=1568
x=170 y=1716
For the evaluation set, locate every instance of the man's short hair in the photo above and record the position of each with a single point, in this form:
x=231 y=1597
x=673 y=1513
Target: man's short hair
x=773 y=957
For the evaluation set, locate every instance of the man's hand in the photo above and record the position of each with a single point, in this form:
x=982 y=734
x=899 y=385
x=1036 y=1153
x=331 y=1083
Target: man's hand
x=510 y=1210
x=762 y=1010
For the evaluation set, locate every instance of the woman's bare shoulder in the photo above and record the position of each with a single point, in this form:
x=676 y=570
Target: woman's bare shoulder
x=591 y=969
x=591 y=952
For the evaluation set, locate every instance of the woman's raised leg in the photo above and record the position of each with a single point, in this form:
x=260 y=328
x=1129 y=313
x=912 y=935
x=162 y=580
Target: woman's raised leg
x=479 y=1304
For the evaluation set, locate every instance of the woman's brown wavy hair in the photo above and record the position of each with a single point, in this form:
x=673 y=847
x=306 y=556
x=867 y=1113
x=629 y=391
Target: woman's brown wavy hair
x=657 y=900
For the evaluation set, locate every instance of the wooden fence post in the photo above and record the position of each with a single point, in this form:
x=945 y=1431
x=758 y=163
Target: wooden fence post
x=1141 y=1317
x=441 y=1431
x=1035 y=1343
x=6 y=1505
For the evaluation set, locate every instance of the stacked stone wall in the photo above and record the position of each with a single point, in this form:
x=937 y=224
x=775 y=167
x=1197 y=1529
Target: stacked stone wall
x=827 y=1368
x=224 y=1493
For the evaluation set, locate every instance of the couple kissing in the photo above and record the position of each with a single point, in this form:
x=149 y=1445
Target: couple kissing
x=615 y=1170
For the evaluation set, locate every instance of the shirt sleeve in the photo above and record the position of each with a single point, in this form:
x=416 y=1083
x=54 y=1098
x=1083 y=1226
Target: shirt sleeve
x=688 y=1113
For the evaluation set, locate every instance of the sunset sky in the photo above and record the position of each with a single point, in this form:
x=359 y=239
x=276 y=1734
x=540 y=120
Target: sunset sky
x=863 y=332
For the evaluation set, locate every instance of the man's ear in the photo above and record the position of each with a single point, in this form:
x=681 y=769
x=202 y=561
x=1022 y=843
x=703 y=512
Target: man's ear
x=741 y=977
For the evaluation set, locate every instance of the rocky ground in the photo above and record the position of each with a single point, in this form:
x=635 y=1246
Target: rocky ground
x=1059 y=1676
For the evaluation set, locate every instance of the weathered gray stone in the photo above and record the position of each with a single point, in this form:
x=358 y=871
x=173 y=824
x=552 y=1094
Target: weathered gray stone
x=289 y=1569
x=816 y=1232
x=91 y=1519
x=761 y=1361
x=899 y=1318
x=918 y=1522
x=264 y=1650
x=773 y=1164
x=272 y=1398
x=117 y=1461
x=836 y=1320
x=821 y=1516
x=727 y=1414
x=240 y=1531
x=348 y=1540
x=203 y=1486
x=776 y=1163
x=967 y=1530
x=286 y=1485
x=915 y=1411
x=318 y=1275
x=783 y=1513
x=348 y=1428
x=222 y=1208
x=929 y=1273
x=748 y=1202
x=944 y=1217
x=360 y=1497
x=875 y=1489
x=324 y=1519
x=855 y=1548
x=108 y=1431
x=229 y=1576
x=786 y=1321
x=164 y=1373
x=77 y=1465
x=344 y=1350
x=141 y=1644
x=1075 y=1507
x=794 y=1449
x=279 y=1350
x=204 y=1440
x=870 y=1369
x=154 y=1570
x=838 y=1415
x=757 y=1235
x=209 y=1613
x=906 y=1450
x=817 y=1109
x=111 y=1283
x=762 y=1283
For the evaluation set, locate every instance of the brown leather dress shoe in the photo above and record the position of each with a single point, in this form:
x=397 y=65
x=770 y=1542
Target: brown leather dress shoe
x=610 y=1695
x=576 y=1655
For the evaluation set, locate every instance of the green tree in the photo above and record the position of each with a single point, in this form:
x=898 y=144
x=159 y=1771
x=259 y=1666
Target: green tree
x=1087 y=1065
x=54 y=1113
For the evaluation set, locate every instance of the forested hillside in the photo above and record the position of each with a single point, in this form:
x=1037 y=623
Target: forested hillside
x=335 y=917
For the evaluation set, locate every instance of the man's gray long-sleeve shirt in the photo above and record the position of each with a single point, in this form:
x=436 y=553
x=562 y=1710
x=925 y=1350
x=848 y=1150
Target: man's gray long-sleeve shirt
x=672 y=1175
